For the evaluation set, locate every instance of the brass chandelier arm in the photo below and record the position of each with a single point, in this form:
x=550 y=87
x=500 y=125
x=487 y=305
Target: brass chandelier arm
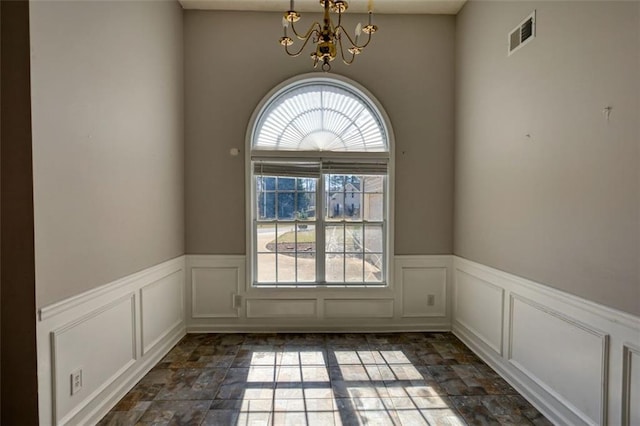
x=314 y=27
x=345 y=60
x=343 y=31
x=294 y=54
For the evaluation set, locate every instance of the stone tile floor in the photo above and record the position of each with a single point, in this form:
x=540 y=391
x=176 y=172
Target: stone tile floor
x=322 y=379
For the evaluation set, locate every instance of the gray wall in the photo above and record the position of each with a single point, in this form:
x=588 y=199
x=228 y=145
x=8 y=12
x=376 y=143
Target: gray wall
x=562 y=206
x=233 y=59
x=108 y=153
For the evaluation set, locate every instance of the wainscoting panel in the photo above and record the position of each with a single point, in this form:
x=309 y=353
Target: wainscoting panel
x=631 y=385
x=221 y=299
x=565 y=357
x=162 y=308
x=479 y=307
x=215 y=284
x=424 y=292
x=282 y=308
x=102 y=333
x=212 y=292
x=100 y=345
x=569 y=357
x=358 y=308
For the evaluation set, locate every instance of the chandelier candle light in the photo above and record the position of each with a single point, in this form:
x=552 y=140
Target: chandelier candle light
x=327 y=37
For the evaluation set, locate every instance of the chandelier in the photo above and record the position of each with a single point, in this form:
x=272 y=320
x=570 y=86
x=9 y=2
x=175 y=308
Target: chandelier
x=327 y=37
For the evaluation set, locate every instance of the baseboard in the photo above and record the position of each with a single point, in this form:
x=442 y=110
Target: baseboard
x=566 y=355
x=112 y=335
x=288 y=328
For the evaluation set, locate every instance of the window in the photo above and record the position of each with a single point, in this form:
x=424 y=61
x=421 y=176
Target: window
x=319 y=173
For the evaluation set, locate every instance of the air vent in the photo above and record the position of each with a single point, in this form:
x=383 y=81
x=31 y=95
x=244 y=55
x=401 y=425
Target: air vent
x=523 y=33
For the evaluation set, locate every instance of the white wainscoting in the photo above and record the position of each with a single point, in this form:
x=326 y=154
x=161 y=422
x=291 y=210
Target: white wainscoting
x=423 y=279
x=282 y=308
x=631 y=384
x=419 y=298
x=577 y=361
x=114 y=334
x=568 y=356
x=554 y=336
x=358 y=308
x=487 y=322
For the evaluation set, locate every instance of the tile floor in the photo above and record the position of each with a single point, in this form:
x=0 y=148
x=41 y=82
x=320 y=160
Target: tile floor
x=322 y=379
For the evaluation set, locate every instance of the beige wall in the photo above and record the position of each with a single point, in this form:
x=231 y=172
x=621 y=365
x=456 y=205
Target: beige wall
x=232 y=60
x=107 y=105
x=562 y=206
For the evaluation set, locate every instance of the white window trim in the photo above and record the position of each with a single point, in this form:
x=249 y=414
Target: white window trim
x=250 y=185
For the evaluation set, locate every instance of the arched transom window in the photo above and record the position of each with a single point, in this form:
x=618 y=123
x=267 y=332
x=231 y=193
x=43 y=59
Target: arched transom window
x=319 y=186
x=320 y=117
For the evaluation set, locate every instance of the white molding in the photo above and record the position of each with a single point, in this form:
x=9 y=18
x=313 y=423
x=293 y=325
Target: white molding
x=604 y=339
x=132 y=377
x=388 y=318
x=629 y=350
x=71 y=302
x=146 y=348
x=56 y=348
x=335 y=327
x=443 y=289
x=610 y=359
x=423 y=260
x=569 y=320
x=220 y=259
x=617 y=331
x=86 y=310
x=430 y=262
x=551 y=411
x=237 y=271
x=497 y=347
x=214 y=262
x=94 y=313
x=623 y=318
x=254 y=304
x=383 y=308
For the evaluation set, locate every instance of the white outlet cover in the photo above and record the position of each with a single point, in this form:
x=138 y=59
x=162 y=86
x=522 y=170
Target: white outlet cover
x=76 y=381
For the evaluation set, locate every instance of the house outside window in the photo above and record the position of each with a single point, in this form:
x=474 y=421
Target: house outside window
x=319 y=175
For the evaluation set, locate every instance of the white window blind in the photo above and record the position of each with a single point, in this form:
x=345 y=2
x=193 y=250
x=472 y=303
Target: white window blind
x=315 y=170
x=320 y=117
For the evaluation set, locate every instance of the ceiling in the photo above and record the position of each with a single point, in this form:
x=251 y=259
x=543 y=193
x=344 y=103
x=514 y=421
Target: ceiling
x=447 y=7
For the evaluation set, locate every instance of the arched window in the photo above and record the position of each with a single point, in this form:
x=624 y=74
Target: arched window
x=319 y=171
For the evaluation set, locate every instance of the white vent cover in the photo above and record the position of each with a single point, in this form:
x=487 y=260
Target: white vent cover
x=523 y=33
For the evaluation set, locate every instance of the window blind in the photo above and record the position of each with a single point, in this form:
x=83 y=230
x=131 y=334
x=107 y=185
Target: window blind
x=315 y=170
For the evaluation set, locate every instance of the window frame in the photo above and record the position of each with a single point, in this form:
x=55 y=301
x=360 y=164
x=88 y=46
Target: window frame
x=314 y=156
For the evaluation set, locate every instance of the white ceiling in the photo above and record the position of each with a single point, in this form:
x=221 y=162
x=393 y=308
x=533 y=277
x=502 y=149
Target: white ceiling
x=447 y=7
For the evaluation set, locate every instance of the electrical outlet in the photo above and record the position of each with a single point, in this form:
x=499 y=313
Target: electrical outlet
x=76 y=381
x=431 y=299
x=237 y=301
